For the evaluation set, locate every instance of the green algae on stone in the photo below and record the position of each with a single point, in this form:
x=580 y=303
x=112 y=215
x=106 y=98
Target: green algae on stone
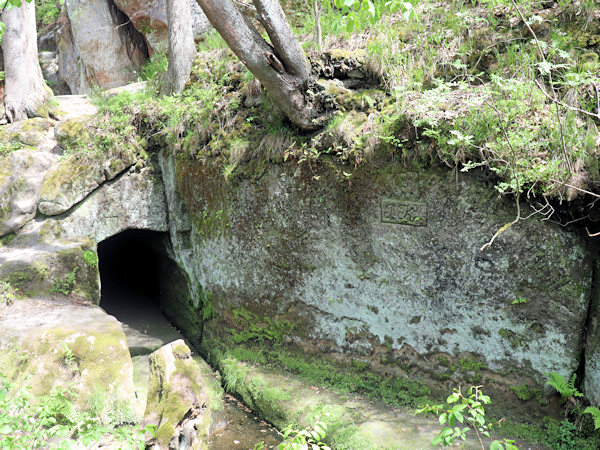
x=176 y=396
x=283 y=400
x=68 y=183
x=28 y=132
x=71 y=345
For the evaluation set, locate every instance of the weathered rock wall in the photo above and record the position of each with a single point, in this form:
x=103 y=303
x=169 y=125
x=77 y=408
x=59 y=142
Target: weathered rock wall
x=104 y=43
x=97 y=46
x=149 y=17
x=383 y=268
x=386 y=268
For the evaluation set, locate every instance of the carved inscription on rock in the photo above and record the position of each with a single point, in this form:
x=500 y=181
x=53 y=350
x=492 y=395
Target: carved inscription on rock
x=404 y=212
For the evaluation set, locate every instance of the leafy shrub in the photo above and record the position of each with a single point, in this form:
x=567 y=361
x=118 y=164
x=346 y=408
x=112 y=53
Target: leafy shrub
x=566 y=388
x=90 y=258
x=66 y=284
x=7 y=293
x=24 y=424
x=307 y=438
x=468 y=410
x=46 y=13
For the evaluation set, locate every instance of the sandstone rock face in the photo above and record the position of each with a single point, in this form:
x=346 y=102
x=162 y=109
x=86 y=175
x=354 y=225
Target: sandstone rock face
x=96 y=47
x=150 y=18
x=63 y=343
x=388 y=269
x=21 y=175
x=67 y=55
x=33 y=133
x=68 y=183
x=75 y=177
x=49 y=64
x=135 y=200
x=178 y=404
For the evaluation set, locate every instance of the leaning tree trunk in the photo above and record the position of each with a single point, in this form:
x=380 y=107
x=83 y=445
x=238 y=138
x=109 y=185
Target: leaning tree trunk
x=182 y=48
x=282 y=67
x=25 y=93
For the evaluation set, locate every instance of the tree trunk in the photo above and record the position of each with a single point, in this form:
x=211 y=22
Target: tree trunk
x=25 y=93
x=281 y=68
x=318 y=32
x=182 y=48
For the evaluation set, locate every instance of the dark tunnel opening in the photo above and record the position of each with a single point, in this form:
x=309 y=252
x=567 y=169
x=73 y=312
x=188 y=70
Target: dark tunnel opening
x=130 y=266
x=145 y=289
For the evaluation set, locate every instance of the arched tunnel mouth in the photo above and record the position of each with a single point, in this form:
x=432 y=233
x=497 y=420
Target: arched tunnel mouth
x=137 y=284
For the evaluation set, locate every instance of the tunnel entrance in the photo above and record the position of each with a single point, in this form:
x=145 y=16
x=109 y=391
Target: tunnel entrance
x=135 y=275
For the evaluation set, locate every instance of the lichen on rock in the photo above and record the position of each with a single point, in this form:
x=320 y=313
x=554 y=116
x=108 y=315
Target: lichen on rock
x=178 y=403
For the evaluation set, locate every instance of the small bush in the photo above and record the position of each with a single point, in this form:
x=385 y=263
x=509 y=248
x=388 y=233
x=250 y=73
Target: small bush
x=7 y=293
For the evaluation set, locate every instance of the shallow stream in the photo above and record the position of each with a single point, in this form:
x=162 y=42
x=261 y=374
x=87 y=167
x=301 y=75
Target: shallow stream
x=147 y=329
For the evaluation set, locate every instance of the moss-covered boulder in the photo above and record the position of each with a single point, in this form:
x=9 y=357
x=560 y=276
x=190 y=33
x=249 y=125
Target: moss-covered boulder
x=66 y=269
x=68 y=183
x=75 y=177
x=21 y=175
x=178 y=402
x=352 y=422
x=36 y=133
x=50 y=343
x=68 y=132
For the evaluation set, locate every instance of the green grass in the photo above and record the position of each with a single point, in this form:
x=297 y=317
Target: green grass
x=398 y=391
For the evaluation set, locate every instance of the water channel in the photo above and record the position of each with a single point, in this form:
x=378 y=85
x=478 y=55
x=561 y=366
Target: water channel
x=130 y=264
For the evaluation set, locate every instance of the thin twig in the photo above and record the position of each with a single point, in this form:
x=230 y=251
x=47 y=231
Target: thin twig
x=574 y=108
x=576 y=188
x=590 y=234
x=516 y=178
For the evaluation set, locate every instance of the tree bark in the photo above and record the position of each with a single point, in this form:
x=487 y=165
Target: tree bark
x=318 y=31
x=182 y=48
x=25 y=92
x=282 y=67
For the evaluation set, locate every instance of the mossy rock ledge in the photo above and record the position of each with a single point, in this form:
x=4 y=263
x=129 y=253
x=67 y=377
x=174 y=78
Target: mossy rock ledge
x=21 y=176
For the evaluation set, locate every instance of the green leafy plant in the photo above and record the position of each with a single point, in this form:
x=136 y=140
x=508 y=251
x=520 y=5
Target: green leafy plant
x=90 y=257
x=358 y=14
x=69 y=358
x=7 y=293
x=566 y=388
x=46 y=12
x=464 y=410
x=595 y=413
x=153 y=71
x=570 y=395
x=27 y=424
x=307 y=438
x=66 y=285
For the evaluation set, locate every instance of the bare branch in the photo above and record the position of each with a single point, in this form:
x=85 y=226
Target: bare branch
x=591 y=234
x=574 y=108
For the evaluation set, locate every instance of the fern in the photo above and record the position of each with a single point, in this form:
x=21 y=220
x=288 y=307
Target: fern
x=565 y=388
x=595 y=413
